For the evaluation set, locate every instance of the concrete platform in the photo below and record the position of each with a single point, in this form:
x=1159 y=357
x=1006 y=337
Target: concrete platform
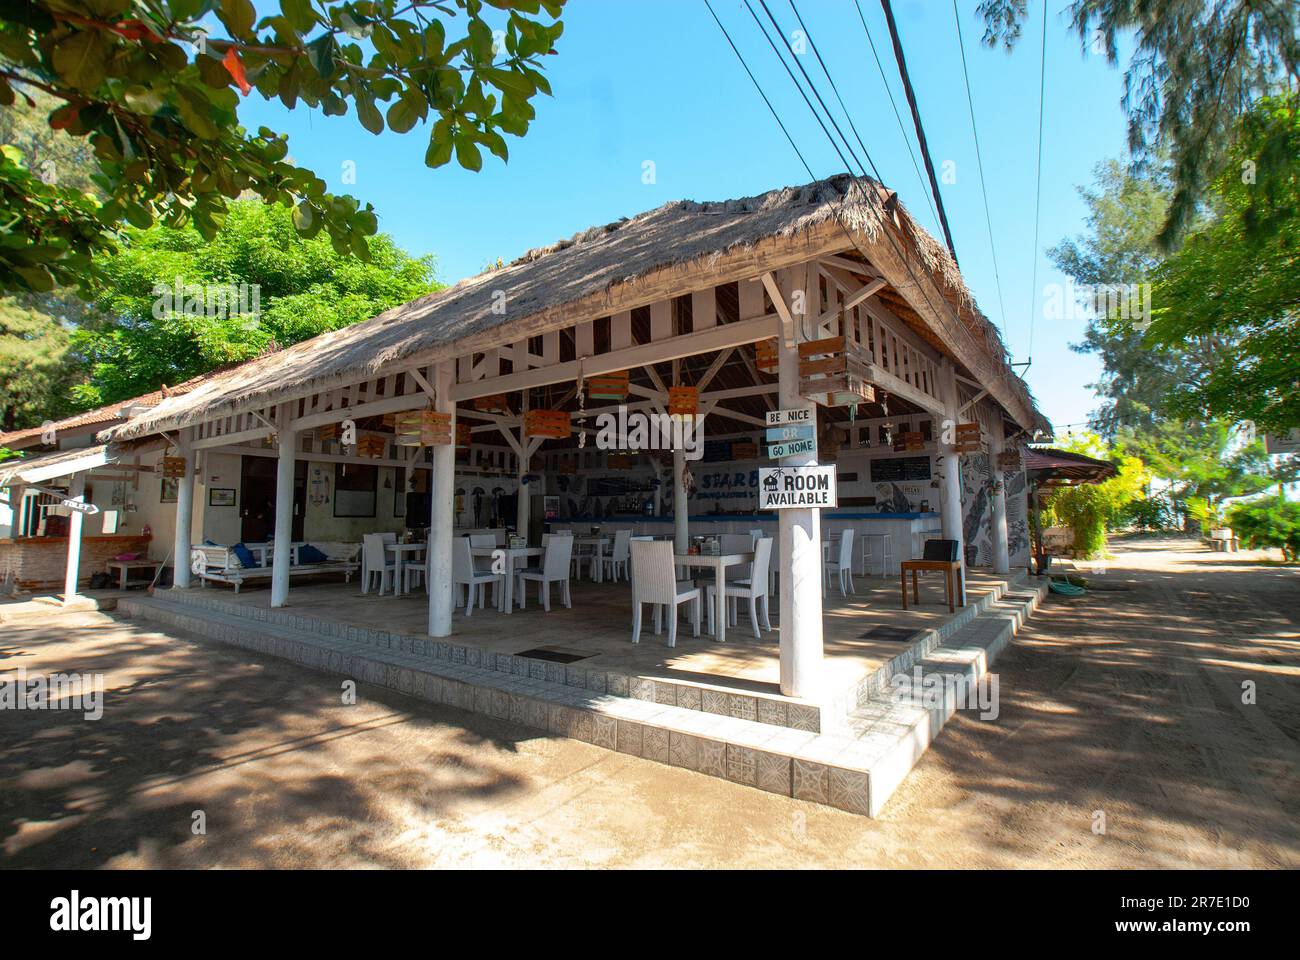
x=850 y=750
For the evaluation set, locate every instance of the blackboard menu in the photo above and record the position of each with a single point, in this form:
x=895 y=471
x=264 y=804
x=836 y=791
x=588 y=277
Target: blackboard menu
x=899 y=469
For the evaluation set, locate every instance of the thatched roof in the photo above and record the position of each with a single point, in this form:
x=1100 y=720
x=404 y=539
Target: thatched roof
x=587 y=276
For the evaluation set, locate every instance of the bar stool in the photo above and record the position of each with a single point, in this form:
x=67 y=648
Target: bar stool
x=886 y=552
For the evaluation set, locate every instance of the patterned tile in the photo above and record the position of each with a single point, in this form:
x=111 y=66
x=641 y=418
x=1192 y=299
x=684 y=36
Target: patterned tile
x=504 y=662
x=773 y=712
x=654 y=744
x=811 y=781
x=630 y=737
x=603 y=733
x=666 y=693
x=583 y=727
x=743 y=707
x=537 y=669
x=575 y=677
x=559 y=719
x=713 y=758
x=500 y=704
x=741 y=764
x=804 y=717
x=537 y=713
x=642 y=689
x=850 y=790
x=474 y=656
x=688 y=697
x=683 y=750
x=518 y=709
x=617 y=684
x=482 y=700
x=773 y=773
x=715 y=701
x=596 y=681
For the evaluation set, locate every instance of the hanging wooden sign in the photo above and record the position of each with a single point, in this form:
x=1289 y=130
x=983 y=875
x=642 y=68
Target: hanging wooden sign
x=683 y=401
x=548 y=423
x=422 y=428
x=173 y=467
x=765 y=356
x=966 y=438
x=912 y=440
x=835 y=372
x=609 y=386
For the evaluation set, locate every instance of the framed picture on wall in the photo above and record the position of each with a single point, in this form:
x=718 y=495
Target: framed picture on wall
x=221 y=497
x=168 y=492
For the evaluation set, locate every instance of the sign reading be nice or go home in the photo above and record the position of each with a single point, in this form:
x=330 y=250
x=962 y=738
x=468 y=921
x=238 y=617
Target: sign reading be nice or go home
x=782 y=488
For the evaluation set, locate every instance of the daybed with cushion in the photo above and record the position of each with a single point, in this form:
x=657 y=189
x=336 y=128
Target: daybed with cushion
x=224 y=565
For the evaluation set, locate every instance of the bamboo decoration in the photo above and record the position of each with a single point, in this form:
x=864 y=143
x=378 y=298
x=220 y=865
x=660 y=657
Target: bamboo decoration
x=173 y=467
x=547 y=423
x=609 y=386
x=683 y=401
x=372 y=445
x=422 y=428
x=765 y=355
x=834 y=372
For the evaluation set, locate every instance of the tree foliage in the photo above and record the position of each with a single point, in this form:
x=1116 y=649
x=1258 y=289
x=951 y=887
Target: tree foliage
x=155 y=86
x=1268 y=522
x=293 y=288
x=1197 y=69
x=1089 y=509
x=33 y=367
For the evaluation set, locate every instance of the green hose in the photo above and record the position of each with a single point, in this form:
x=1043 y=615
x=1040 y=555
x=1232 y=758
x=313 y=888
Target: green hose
x=1065 y=588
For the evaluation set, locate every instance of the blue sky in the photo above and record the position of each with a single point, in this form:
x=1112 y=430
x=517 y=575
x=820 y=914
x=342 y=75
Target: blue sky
x=639 y=80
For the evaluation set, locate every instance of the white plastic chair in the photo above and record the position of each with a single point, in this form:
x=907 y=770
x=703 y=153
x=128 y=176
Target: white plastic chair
x=377 y=563
x=477 y=540
x=419 y=570
x=619 y=555
x=843 y=567
x=754 y=590
x=554 y=569
x=654 y=580
x=464 y=574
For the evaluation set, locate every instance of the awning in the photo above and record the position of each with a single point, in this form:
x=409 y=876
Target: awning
x=62 y=463
x=1061 y=467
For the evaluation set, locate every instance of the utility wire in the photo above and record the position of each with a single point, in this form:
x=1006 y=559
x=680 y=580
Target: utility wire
x=1038 y=194
x=988 y=218
x=889 y=91
x=916 y=120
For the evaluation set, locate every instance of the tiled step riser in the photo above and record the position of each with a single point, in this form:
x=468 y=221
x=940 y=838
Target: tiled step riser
x=774 y=711
x=614 y=723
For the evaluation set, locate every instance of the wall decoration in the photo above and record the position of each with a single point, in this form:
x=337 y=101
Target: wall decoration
x=169 y=491
x=221 y=497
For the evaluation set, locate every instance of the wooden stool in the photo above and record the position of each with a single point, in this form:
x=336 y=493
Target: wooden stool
x=952 y=575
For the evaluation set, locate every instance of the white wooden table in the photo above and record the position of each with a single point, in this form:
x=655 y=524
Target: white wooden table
x=718 y=564
x=126 y=566
x=400 y=551
x=506 y=596
x=598 y=545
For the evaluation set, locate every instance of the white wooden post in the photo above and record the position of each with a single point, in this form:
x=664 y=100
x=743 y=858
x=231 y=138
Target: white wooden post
x=17 y=494
x=76 y=491
x=282 y=558
x=184 y=515
x=523 y=506
x=950 y=502
x=998 y=513
x=442 y=492
x=800 y=530
x=681 y=510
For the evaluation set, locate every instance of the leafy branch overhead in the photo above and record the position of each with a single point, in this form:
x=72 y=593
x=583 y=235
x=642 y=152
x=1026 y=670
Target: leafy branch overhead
x=156 y=86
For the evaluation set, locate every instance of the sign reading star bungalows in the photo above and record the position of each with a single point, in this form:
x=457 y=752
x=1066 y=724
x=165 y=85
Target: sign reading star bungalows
x=783 y=488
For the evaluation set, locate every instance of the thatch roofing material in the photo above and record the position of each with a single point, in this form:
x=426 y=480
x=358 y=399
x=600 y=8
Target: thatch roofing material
x=617 y=266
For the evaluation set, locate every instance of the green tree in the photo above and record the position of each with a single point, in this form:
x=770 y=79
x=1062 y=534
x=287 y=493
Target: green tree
x=1269 y=522
x=33 y=367
x=1197 y=69
x=1236 y=282
x=293 y=288
x=1090 y=509
x=155 y=86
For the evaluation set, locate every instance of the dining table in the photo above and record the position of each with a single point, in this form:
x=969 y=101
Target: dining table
x=506 y=595
x=400 y=552
x=718 y=563
x=597 y=547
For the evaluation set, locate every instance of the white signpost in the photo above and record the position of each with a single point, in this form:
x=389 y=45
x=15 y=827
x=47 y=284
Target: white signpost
x=783 y=488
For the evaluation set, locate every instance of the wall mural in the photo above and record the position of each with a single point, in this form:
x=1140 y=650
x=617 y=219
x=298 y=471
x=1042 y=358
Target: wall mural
x=977 y=508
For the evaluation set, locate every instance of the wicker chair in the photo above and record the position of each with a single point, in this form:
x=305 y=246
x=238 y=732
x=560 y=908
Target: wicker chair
x=654 y=580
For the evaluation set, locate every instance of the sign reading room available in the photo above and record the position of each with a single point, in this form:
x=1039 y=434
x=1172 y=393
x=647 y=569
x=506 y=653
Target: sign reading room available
x=783 y=488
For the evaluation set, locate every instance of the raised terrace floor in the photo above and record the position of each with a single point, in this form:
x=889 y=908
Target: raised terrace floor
x=598 y=628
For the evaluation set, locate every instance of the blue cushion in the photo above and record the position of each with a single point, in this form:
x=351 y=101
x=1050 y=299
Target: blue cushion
x=309 y=554
x=245 y=555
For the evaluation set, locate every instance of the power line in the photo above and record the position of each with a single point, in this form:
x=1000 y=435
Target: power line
x=1038 y=193
x=988 y=218
x=907 y=141
x=916 y=120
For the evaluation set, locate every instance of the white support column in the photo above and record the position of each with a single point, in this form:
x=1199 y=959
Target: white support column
x=17 y=494
x=184 y=516
x=76 y=491
x=282 y=557
x=442 y=492
x=950 y=501
x=681 y=510
x=998 y=514
x=523 y=504
x=800 y=530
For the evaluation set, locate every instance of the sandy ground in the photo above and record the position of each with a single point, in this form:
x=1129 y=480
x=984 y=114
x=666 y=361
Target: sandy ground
x=1128 y=702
